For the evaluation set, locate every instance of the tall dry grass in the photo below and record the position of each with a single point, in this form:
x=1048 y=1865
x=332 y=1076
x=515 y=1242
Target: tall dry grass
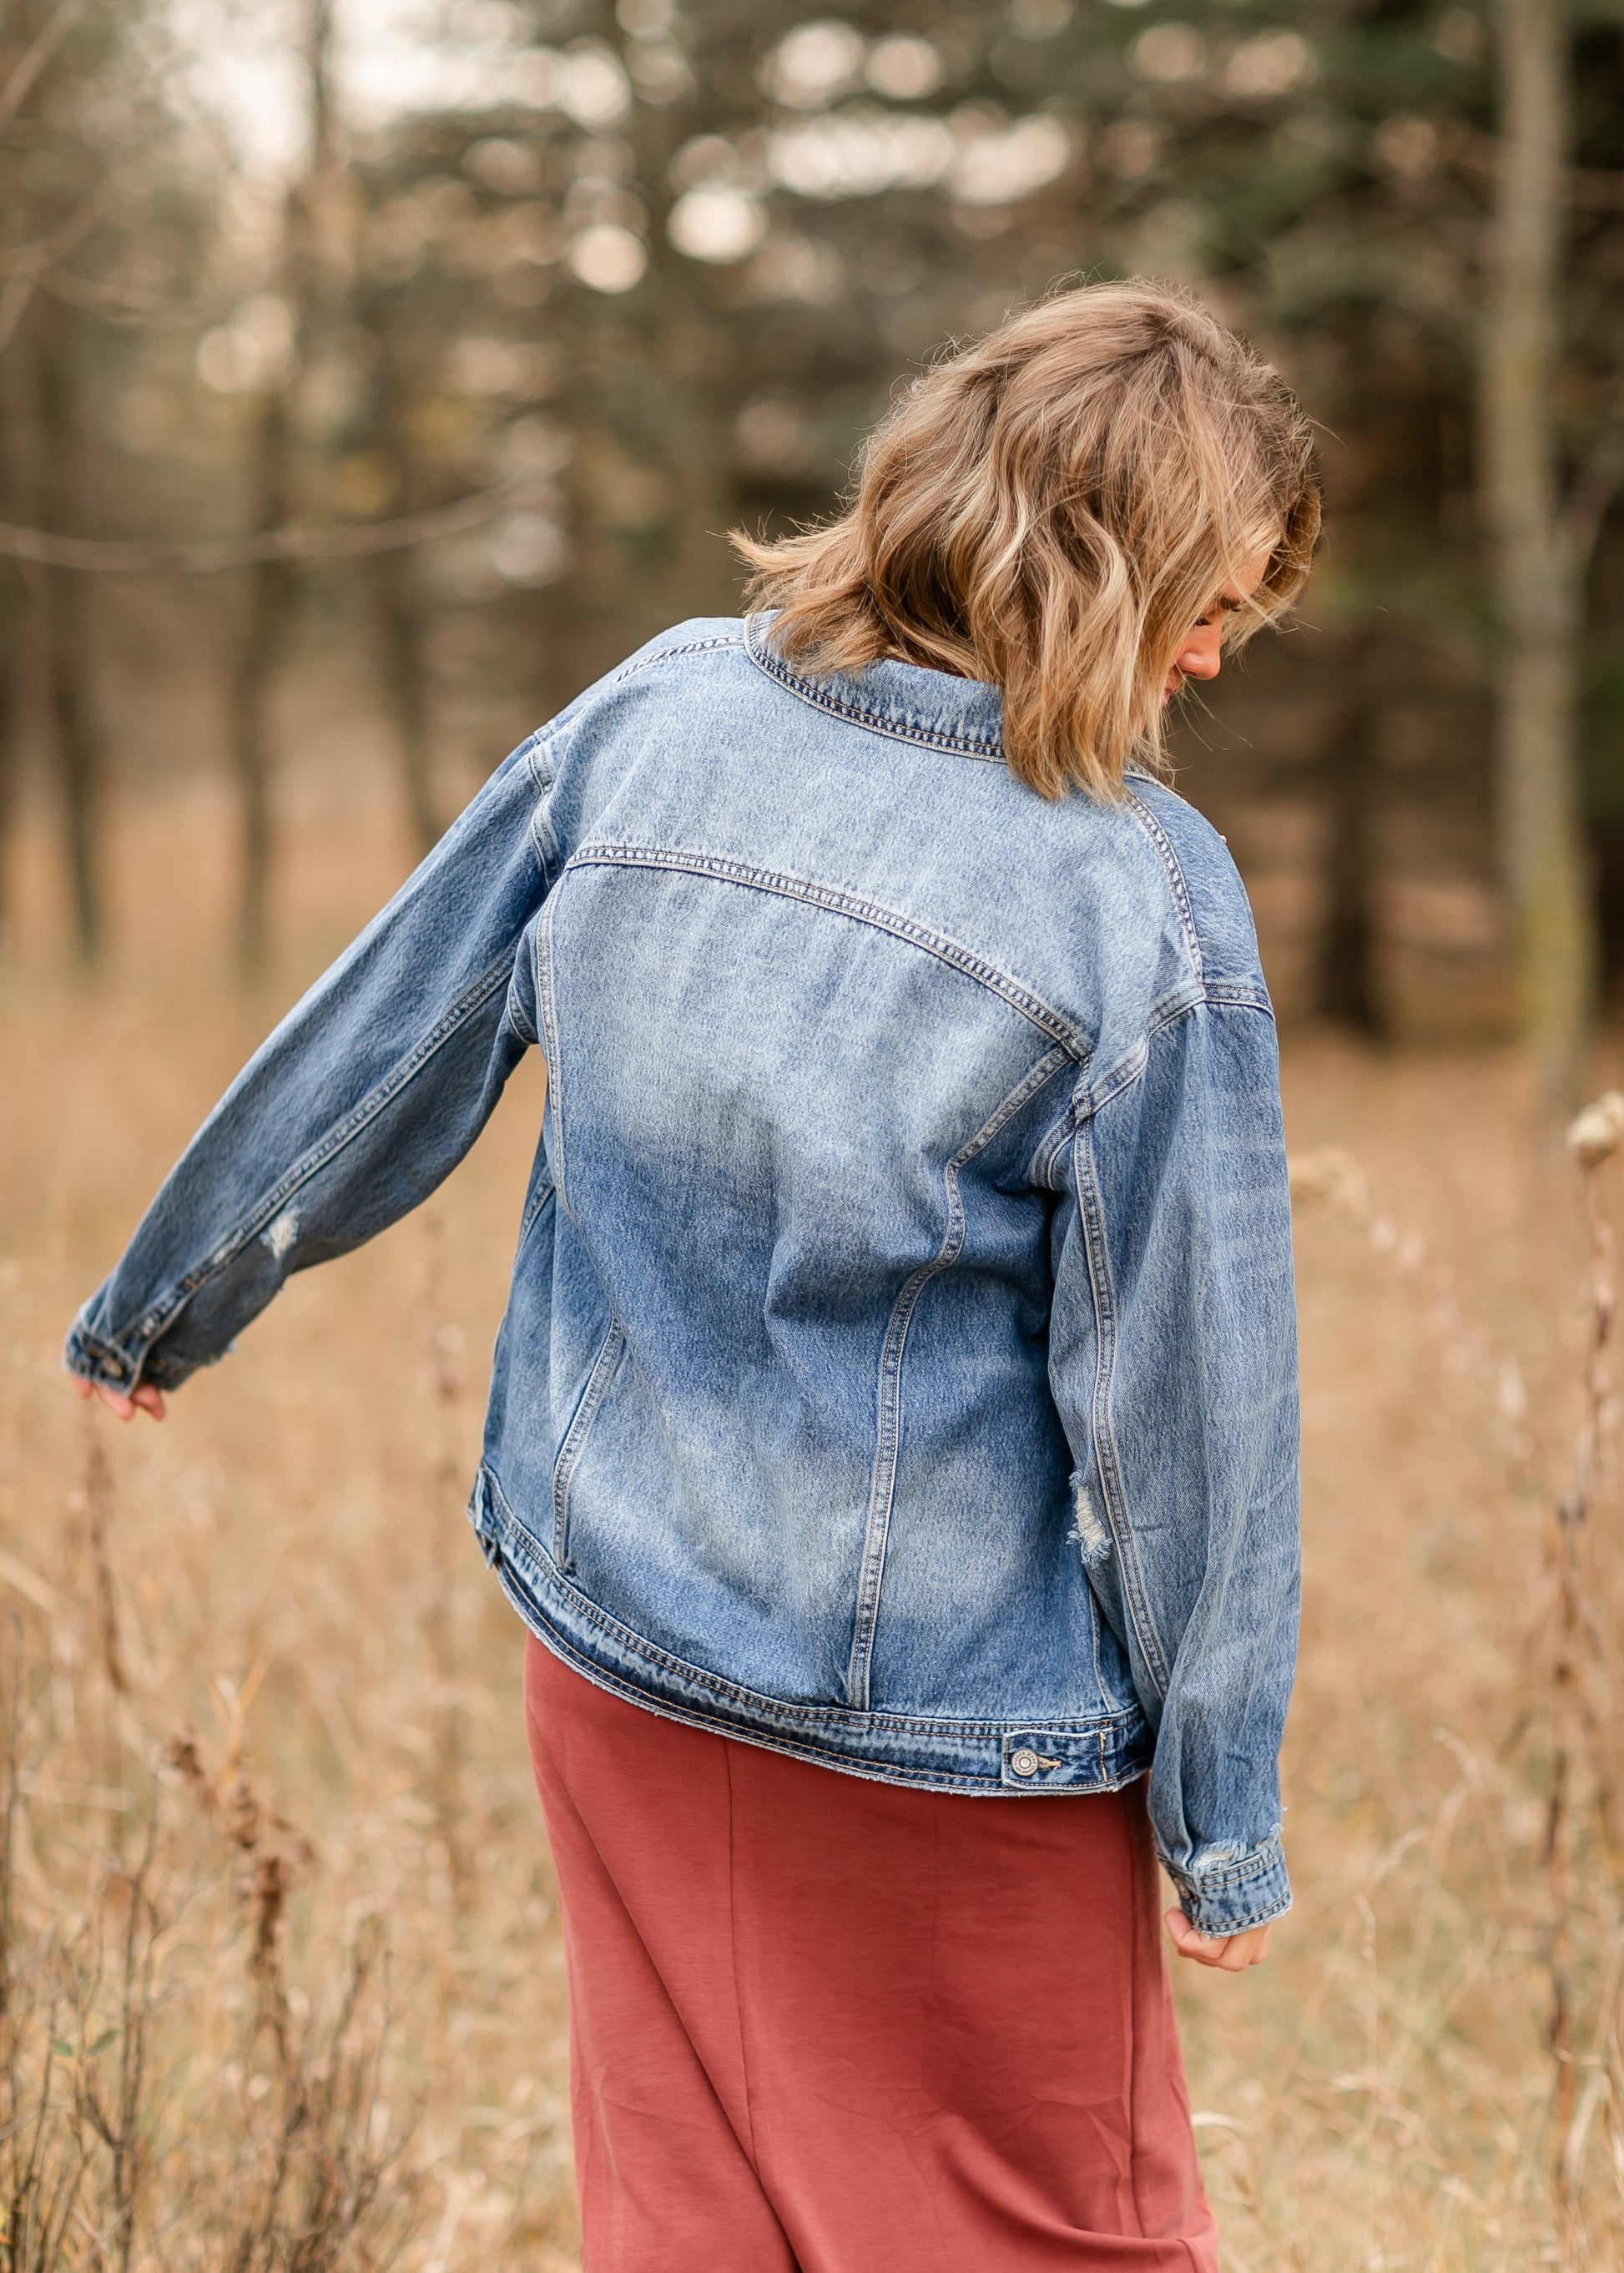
x=283 y=1977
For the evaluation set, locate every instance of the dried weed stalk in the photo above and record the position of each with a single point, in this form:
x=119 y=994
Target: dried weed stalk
x=98 y=1521
x=1333 y=1176
x=440 y=1629
x=328 y=2184
x=1576 y=1855
x=79 y=2112
x=1579 y=1699
x=123 y=2149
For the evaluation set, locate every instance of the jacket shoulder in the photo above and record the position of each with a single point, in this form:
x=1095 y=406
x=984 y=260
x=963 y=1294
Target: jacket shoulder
x=684 y=644
x=1204 y=877
x=583 y=722
x=698 y=636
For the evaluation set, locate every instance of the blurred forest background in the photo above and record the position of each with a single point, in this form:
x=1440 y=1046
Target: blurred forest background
x=375 y=373
x=435 y=348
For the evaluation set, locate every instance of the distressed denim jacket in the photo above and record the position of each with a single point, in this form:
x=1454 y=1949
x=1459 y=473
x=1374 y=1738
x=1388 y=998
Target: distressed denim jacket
x=899 y=1365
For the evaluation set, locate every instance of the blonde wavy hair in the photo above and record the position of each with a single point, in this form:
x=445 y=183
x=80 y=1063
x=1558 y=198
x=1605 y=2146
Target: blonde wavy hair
x=1053 y=510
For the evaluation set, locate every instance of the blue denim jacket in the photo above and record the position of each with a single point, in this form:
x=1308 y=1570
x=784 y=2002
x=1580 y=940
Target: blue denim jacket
x=899 y=1365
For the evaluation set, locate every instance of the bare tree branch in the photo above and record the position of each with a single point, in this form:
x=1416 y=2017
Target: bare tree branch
x=15 y=294
x=30 y=262
x=1596 y=189
x=31 y=62
x=116 y=306
x=1597 y=481
x=207 y=556
x=67 y=235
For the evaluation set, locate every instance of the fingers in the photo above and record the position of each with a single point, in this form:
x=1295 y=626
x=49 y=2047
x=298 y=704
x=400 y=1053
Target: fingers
x=1202 y=1948
x=1231 y=1952
x=144 y=1399
x=1198 y=1947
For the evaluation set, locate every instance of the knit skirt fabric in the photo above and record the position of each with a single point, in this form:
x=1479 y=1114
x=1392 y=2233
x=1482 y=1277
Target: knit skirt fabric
x=822 y=2025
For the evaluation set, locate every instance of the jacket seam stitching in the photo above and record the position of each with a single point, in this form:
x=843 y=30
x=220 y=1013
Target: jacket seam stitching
x=833 y=900
x=515 y=1015
x=542 y=782
x=1240 y=995
x=964 y=746
x=1050 y=1145
x=883 y=1489
x=592 y=1395
x=1089 y=1099
x=669 y=654
x=546 y=1007
x=532 y=1213
x=1175 y=874
x=1123 y=1075
x=1091 y=1215
x=882 y=1492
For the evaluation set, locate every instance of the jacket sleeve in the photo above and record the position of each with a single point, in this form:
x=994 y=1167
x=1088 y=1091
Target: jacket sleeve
x=365 y=1097
x=1173 y=1356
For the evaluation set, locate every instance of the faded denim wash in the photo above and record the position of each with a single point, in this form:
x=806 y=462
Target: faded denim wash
x=899 y=1369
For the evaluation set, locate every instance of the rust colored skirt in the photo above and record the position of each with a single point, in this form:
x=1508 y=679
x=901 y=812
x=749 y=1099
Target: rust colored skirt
x=819 y=2025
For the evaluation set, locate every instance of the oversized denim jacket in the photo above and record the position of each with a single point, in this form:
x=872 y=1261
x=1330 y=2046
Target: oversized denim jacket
x=899 y=1365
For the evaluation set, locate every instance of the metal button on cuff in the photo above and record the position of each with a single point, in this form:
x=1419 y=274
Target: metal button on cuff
x=1025 y=1762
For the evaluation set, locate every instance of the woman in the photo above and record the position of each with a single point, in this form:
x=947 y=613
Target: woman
x=898 y=1374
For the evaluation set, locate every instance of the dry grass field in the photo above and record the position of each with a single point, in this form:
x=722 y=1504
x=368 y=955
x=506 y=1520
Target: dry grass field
x=284 y=1983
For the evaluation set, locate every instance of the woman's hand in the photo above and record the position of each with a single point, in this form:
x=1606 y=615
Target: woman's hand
x=1230 y=1953
x=144 y=1399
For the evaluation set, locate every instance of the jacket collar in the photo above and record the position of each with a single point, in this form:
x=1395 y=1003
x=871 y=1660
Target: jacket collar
x=915 y=705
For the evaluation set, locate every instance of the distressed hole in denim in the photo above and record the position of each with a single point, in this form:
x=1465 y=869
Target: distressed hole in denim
x=1092 y=1535
x=279 y=1235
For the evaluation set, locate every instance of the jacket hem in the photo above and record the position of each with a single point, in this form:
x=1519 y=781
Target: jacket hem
x=996 y=1757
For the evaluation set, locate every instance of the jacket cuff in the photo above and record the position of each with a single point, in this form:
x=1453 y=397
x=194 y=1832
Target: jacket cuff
x=93 y=1358
x=1236 y=1894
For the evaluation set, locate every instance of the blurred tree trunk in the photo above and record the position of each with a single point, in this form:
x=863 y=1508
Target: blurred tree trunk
x=702 y=577
x=1537 y=564
x=16 y=503
x=272 y=590
x=11 y=731
x=404 y=631
x=62 y=438
x=1347 y=976
x=397 y=594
